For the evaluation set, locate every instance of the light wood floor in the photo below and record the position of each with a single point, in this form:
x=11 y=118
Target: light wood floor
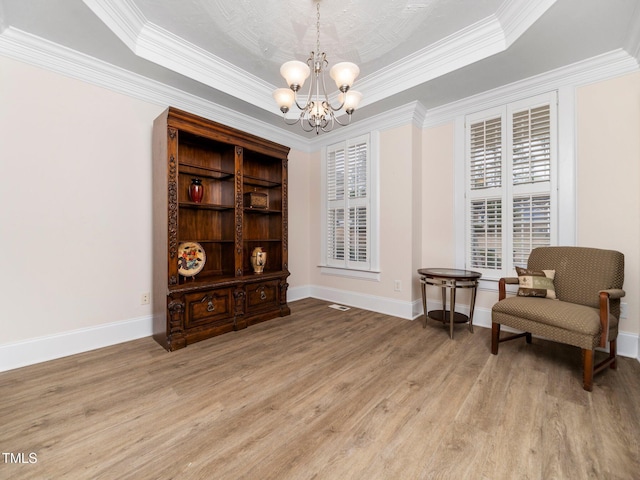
x=323 y=394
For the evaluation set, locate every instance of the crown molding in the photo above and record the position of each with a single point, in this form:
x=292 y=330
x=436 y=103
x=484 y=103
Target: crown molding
x=633 y=39
x=412 y=113
x=28 y=48
x=34 y=50
x=601 y=67
x=154 y=43
x=122 y=17
x=487 y=37
x=170 y=51
x=474 y=43
x=480 y=40
x=516 y=16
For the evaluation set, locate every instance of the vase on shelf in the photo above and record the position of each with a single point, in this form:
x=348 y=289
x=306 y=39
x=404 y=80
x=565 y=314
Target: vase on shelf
x=196 y=190
x=258 y=260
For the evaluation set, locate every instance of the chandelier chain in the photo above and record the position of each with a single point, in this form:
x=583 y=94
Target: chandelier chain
x=318 y=28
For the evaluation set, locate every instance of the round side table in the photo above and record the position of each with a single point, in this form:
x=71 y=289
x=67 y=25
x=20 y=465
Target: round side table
x=452 y=279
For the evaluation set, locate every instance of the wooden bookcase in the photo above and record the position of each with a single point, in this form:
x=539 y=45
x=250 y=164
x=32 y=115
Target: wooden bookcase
x=243 y=206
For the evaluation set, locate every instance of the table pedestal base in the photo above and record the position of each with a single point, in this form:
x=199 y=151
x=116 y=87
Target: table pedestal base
x=448 y=279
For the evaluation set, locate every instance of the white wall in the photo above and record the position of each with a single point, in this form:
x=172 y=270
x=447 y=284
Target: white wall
x=438 y=213
x=76 y=215
x=76 y=198
x=608 y=185
x=399 y=199
x=76 y=204
x=608 y=146
x=299 y=224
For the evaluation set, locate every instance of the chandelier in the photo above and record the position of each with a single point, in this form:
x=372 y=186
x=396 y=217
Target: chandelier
x=317 y=113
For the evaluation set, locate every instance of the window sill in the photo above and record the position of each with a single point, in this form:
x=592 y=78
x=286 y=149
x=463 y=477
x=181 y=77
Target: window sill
x=373 y=276
x=491 y=285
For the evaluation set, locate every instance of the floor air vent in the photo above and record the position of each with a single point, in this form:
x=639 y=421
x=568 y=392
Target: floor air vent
x=342 y=308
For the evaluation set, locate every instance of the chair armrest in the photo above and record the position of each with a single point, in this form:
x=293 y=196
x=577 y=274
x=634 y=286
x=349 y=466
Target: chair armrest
x=614 y=293
x=502 y=289
x=605 y=296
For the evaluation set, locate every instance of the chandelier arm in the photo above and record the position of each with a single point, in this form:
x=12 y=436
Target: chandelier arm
x=326 y=96
x=313 y=80
x=320 y=78
x=339 y=107
x=303 y=124
x=295 y=98
x=291 y=121
x=343 y=124
x=328 y=124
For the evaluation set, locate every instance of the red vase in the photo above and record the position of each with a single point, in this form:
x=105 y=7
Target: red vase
x=196 y=190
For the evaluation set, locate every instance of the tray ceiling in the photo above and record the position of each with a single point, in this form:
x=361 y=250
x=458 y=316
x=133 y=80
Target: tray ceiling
x=229 y=51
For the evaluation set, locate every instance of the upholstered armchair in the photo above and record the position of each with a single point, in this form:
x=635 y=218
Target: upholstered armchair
x=569 y=295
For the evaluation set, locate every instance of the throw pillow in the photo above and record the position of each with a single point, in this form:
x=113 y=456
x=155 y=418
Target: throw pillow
x=536 y=283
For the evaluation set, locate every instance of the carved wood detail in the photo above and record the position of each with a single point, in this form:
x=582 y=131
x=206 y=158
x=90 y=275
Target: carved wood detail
x=239 y=206
x=173 y=207
x=239 y=296
x=283 y=292
x=176 y=316
x=285 y=215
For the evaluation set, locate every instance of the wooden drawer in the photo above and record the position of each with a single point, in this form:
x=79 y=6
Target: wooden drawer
x=262 y=296
x=208 y=307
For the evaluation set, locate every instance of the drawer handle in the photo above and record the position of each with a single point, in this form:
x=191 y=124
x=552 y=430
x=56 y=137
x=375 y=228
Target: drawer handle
x=210 y=305
x=263 y=296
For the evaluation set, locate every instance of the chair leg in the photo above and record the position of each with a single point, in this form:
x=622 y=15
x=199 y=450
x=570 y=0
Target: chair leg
x=612 y=354
x=528 y=337
x=495 y=337
x=587 y=365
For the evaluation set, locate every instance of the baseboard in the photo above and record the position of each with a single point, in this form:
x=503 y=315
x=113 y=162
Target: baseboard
x=388 y=306
x=42 y=349
x=298 y=293
x=628 y=343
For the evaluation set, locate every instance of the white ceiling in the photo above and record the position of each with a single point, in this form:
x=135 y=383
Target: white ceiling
x=229 y=51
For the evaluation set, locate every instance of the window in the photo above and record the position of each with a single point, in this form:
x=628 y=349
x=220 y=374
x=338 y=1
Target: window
x=349 y=225
x=510 y=195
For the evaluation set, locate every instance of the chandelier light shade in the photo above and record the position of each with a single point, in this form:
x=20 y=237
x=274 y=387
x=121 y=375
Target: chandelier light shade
x=317 y=113
x=350 y=99
x=344 y=73
x=295 y=73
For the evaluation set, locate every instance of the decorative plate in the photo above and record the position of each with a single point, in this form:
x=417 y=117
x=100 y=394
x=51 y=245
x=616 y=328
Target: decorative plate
x=191 y=259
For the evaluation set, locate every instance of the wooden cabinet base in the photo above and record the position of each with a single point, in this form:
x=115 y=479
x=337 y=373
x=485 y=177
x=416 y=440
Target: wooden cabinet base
x=197 y=313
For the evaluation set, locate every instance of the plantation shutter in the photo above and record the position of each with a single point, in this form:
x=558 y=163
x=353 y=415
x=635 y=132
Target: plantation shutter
x=531 y=180
x=358 y=234
x=358 y=170
x=335 y=234
x=485 y=195
x=335 y=205
x=531 y=226
x=486 y=154
x=510 y=199
x=531 y=145
x=486 y=234
x=348 y=204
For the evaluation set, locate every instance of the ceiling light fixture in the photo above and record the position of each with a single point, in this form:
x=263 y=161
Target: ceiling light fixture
x=318 y=113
